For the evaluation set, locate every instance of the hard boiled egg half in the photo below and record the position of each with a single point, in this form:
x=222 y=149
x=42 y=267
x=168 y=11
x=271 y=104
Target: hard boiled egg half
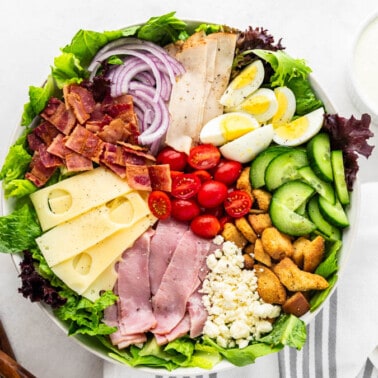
x=300 y=130
x=247 y=81
x=286 y=105
x=248 y=146
x=227 y=127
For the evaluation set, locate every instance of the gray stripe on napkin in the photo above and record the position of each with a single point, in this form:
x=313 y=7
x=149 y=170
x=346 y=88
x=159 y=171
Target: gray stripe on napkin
x=332 y=335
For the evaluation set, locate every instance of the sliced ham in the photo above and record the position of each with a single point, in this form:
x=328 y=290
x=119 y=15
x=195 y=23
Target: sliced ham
x=180 y=330
x=178 y=283
x=133 y=288
x=197 y=314
x=162 y=248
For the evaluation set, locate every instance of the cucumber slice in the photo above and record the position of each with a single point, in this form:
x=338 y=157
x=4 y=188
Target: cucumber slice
x=319 y=155
x=325 y=189
x=339 y=176
x=284 y=168
x=259 y=164
x=288 y=221
x=323 y=226
x=333 y=212
x=293 y=194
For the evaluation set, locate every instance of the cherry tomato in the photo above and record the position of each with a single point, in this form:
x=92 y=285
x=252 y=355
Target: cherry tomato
x=185 y=186
x=203 y=175
x=206 y=226
x=204 y=156
x=228 y=171
x=175 y=173
x=159 y=204
x=184 y=209
x=175 y=159
x=212 y=193
x=238 y=203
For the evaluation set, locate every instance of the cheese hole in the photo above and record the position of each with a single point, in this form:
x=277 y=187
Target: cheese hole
x=82 y=263
x=59 y=201
x=121 y=210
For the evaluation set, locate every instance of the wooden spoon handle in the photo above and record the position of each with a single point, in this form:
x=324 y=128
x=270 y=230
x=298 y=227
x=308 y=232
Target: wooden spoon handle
x=4 y=342
x=12 y=369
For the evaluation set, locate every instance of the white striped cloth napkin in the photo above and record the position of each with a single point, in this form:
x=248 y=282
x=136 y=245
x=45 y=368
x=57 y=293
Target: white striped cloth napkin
x=343 y=337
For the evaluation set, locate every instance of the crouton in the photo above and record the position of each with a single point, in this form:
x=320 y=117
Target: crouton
x=300 y=246
x=260 y=255
x=313 y=254
x=297 y=304
x=295 y=279
x=259 y=222
x=243 y=182
x=246 y=229
x=276 y=244
x=231 y=233
x=249 y=248
x=249 y=263
x=262 y=198
x=269 y=286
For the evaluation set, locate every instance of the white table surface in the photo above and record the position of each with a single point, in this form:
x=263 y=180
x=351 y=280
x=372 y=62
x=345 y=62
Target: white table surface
x=31 y=34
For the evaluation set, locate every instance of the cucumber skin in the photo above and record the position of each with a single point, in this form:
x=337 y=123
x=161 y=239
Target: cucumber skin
x=283 y=168
x=326 y=228
x=319 y=156
x=339 y=177
x=293 y=194
x=333 y=213
x=261 y=162
x=288 y=221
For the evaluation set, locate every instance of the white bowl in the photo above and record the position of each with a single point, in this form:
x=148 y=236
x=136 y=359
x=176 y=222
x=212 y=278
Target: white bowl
x=363 y=68
x=95 y=347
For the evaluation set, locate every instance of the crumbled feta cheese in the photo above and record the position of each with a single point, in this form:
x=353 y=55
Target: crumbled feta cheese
x=236 y=313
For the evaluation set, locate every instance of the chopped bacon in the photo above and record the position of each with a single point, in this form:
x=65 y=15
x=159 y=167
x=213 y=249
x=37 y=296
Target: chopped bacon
x=77 y=163
x=138 y=151
x=46 y=132
x=116 y=131
x=80 y=100
x=39 y=174
x=56 y=113
x=138 y=177
x=49 y=160
x=34 y=142
x=160 y=176
x=85 y=143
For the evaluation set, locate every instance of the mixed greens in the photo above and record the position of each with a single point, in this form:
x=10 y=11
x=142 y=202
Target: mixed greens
x=19 y=229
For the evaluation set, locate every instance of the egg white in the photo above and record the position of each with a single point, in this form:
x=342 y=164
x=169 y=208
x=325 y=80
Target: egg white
x=262 y=104
x=300 y=130
x=286 y=105
x=248 y=146
x=227 y=127
x=248 y=81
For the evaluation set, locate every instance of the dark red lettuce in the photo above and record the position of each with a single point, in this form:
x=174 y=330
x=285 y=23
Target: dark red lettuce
x=35 y=287
x=350 y=136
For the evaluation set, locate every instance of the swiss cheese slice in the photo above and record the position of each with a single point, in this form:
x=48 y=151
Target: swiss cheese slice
x=85 y=269
x=71 y=197
x=78 y=234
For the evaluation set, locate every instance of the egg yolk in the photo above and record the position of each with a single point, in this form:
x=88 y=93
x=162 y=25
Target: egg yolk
x=235 y=126
x=256 y=104
x=282 y=106
x=294 y=129
x=245 y=77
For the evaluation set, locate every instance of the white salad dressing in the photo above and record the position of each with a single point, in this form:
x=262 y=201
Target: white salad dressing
x=365 y=67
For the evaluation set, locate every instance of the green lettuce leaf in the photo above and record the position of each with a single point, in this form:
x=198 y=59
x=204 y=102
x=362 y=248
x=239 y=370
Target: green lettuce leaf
x=19 y=229
x=38 y=98
x=288 y=330
x=163 y=29
x=292 y=73
x=244 y=356
x=67 y=70
x=320 y=296
x=330 y=263
x=84 y=316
